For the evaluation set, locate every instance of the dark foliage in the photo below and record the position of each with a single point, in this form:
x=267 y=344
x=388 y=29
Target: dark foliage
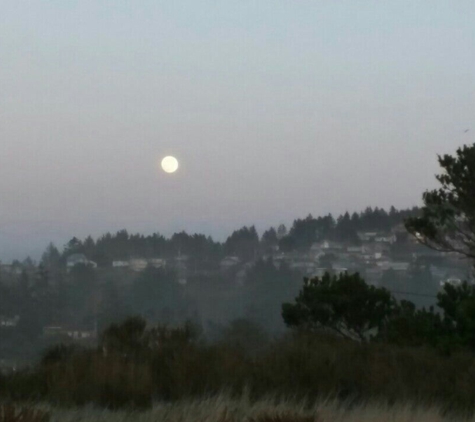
x=447 y=222
x=172 y=363
x=344 y=304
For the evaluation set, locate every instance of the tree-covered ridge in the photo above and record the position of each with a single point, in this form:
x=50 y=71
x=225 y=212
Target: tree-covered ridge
x=244 y=243
x=345 y=228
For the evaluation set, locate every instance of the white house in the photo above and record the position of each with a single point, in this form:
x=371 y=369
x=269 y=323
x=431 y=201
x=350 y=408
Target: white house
x=454 y=281
x=79 y=258
x=229 y=262
x=386 y=239
x=11 y=269
x=367 y=236
x=138 y=264
x=9 y=322
x=356 y=249
x=306 y=267
x=157 y=262
x=81 y=334
x=120 y=264
x=396 y=266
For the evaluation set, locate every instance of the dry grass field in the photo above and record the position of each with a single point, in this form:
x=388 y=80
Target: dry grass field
x=223 y=409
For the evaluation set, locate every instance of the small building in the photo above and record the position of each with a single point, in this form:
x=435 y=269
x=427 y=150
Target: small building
x=229 y=262
x=454 y=281
x=81 y=334
x=72 y=333
x=356 y=249
x=384 y=248
x=395 y=266
x=305 y=267
x=399 y=229
x=120 y=264
x=316 y=248
x=11 y=269
x=9 y=322
x=54 y=331
x=138 y=264
x=157 y=262
x=328 y=245
x=79 y=259
x=386 y=239
x=76 y=259
x=399 y=266
x=367 y=236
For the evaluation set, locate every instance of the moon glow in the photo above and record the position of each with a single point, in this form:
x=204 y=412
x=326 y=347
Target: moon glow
x=170 y=164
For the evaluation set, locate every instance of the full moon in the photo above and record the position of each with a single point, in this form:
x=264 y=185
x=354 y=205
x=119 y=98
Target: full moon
x=170 y=164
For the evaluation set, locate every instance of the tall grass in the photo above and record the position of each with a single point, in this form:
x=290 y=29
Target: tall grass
x=298 y=366
x=222 y=408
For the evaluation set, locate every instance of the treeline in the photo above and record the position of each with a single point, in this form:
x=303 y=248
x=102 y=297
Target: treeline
x=345 y=228
x=84 y=298
x=244 y=243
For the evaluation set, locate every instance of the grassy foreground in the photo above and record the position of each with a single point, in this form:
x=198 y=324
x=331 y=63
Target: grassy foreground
x=179 y=370
x=221 y=408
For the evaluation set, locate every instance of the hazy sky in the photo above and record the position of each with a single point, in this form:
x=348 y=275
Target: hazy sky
x=274 y=109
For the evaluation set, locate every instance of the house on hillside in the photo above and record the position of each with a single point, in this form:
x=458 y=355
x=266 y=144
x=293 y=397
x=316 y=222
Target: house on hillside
x=454 y=281
x=157 y=262
x=72 y=333
x=81 y=334
x=9 y=322
x=400 y=267
x=303 y=266
x=78 y=259
x=138 y=264
x=316 y=249
x=181 y=266
x=54 y=331
x=331 y=246
x=386 y=239
x=11 y=269
x=367 y=236
x=120 y=264
x=399 y=229
x=380 y=247
x=356 y=249
x=229 y=262
x=279 y=259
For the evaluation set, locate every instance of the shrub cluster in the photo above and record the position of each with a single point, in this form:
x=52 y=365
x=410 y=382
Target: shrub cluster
x=173 y=363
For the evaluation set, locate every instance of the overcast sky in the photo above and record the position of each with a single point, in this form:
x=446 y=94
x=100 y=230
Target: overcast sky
x=274 y=109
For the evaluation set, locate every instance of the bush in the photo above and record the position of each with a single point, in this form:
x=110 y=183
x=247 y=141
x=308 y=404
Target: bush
x=173 y=365
x=10 y=413
x=343 y=304
x=58 y=353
